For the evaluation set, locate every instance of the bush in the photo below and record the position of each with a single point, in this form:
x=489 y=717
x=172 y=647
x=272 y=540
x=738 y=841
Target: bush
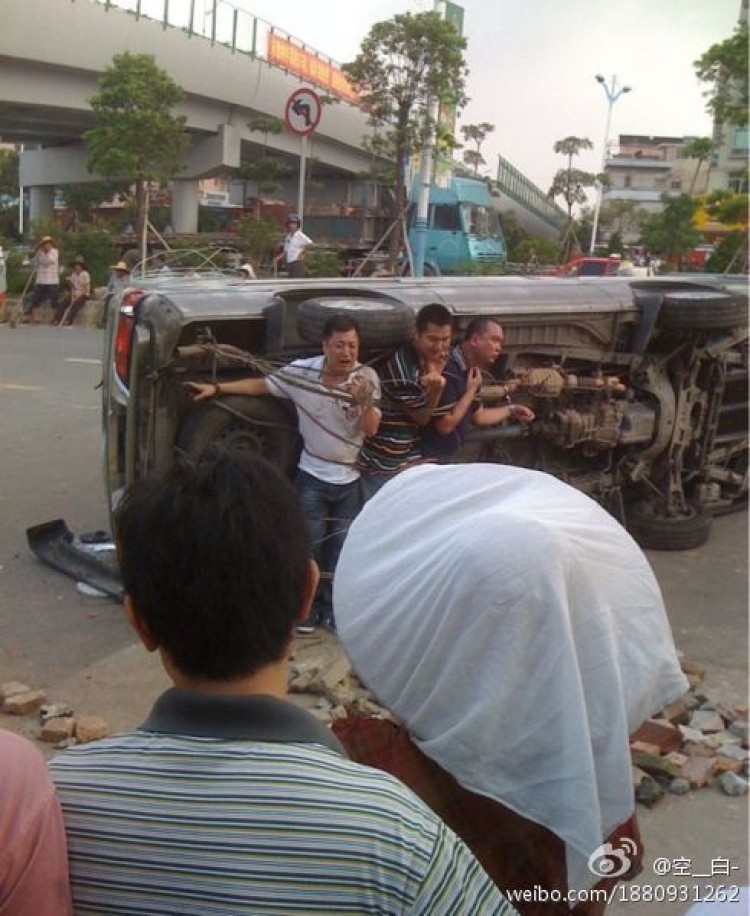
x=322 y=263
x=260 y=239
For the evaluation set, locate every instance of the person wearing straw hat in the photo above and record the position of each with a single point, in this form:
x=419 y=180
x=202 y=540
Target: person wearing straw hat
x=119 y=278
x=46 y=264
x=80 y=291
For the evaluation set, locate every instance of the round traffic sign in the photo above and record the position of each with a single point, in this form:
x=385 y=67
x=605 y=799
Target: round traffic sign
x=302 y=114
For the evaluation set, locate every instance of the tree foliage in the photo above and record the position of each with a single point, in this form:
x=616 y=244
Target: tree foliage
x=671 y=232
x=9 y=182
x=404 y=65
x=725 y=66
x=136 y=135
x=476 y=133
x=83 y=199
x=700 y=148
x=571 y=184
x=622 y=216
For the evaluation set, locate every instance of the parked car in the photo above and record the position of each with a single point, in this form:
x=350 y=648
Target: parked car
x=639 y=387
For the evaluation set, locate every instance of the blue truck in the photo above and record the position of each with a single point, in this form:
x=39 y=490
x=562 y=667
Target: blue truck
x=462 y=226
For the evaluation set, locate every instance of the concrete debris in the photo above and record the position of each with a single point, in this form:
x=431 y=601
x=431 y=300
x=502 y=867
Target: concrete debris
x=732 y=784
x=679 y=786
x=54 y=711
x=648 y=791
x=706 y=721
x=695 y=740
x=21 y=704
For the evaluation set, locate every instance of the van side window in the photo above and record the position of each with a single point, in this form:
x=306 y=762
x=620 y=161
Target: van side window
x=446 y=218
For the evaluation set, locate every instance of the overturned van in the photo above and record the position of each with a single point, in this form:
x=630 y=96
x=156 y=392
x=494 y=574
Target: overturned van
x=640 y=388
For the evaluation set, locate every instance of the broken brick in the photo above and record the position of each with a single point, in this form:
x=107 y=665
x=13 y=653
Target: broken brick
x=90 y=728
x=643 y=747
x=707 y=721
x=58 y=729
x=728 y=765
x=663 y=734
x=20 y=704
x=11 y=689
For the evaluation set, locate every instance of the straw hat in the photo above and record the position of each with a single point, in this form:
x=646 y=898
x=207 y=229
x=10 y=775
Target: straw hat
x=44 y=239
x=120 y=265
x=78 y=260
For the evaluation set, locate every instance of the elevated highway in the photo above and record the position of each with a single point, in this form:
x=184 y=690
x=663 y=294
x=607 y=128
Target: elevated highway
x=232 y=66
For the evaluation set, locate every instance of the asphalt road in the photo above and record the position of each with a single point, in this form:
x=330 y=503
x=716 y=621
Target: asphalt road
x=80 y=649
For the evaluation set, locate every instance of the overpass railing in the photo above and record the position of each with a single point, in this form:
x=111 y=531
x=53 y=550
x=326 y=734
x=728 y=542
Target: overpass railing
x=521 y=189
x=224 y=23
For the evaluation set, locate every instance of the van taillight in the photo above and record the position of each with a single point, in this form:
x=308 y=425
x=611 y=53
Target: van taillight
x=124 y=335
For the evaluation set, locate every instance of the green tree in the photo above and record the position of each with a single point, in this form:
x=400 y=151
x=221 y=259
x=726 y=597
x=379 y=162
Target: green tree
x=671 y=232
x=83 y=199
x=513 y=233
x=260 y=239
x=571 y=184
x=476 y=133
x=136 y=134
x=700 y=148
x=725 y=67
x=404 y=65
x=622 y=216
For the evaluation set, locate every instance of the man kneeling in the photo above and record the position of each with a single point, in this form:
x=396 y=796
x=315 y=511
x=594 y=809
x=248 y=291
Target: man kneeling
x=229 y=799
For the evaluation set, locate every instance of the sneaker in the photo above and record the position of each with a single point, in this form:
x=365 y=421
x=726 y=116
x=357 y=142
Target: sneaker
x=306 y=629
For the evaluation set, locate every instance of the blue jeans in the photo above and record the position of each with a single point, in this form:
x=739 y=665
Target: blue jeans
x=329 y=509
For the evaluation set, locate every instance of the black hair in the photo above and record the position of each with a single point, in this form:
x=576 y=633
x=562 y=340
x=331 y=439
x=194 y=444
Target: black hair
x=214 y=556
x=434 y=313
x=339 y=324
x=479 y=326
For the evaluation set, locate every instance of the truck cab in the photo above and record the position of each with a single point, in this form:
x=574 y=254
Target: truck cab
x=463 y=226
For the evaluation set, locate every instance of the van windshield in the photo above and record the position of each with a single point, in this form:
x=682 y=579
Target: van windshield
x=480 y=221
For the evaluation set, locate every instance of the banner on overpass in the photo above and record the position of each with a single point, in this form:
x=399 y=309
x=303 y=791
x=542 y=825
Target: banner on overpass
x=284 y=53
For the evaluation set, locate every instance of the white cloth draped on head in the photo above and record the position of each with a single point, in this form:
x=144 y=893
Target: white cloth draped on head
x=518 y=631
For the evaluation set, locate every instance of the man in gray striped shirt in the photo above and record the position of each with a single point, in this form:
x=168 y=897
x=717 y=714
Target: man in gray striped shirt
x=229 y=799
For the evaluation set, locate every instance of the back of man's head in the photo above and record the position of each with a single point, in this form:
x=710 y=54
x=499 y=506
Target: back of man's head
x=214 y=557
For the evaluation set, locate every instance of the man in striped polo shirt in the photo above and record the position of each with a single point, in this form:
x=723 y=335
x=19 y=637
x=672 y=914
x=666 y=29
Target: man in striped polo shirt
x=411 y=381
x=229 y=799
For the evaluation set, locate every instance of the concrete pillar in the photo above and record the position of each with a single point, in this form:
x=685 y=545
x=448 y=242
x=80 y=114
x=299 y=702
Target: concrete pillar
x=41 y=203
x=185 y=205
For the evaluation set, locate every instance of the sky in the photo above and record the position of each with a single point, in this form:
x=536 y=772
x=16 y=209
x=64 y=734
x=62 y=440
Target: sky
x=533 y=64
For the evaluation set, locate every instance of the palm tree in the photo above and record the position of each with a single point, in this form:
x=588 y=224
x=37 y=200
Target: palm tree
x=699 y=148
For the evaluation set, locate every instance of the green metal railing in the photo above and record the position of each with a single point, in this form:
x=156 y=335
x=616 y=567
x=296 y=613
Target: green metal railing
x=521 y=189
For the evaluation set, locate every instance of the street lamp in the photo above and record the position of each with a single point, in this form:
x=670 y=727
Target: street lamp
x=613 y=93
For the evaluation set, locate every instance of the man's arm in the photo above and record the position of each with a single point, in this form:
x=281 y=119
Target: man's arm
x=491 y=416
x=248 y=386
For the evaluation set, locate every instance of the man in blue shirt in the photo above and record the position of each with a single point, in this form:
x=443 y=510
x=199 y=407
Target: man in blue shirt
x=460 y=407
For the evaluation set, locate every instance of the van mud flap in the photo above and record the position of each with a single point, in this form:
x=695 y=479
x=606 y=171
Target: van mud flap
x=94 y=563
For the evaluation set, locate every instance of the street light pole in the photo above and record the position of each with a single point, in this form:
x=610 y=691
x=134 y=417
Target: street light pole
x=613 y=93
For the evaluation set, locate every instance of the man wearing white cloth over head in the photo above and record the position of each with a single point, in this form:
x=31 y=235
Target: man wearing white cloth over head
x=518 y=633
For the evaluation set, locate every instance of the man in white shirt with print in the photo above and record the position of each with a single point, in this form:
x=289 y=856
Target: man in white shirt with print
x=336 y=399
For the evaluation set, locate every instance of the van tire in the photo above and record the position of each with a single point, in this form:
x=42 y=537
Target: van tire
x=661 y=532
x=267 y=428
x=696 y=310
x=381 y=322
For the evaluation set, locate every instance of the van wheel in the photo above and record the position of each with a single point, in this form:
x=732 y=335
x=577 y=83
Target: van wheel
x=381 y=322
x=667 y=532
x=698 y=310
x=264 y=426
